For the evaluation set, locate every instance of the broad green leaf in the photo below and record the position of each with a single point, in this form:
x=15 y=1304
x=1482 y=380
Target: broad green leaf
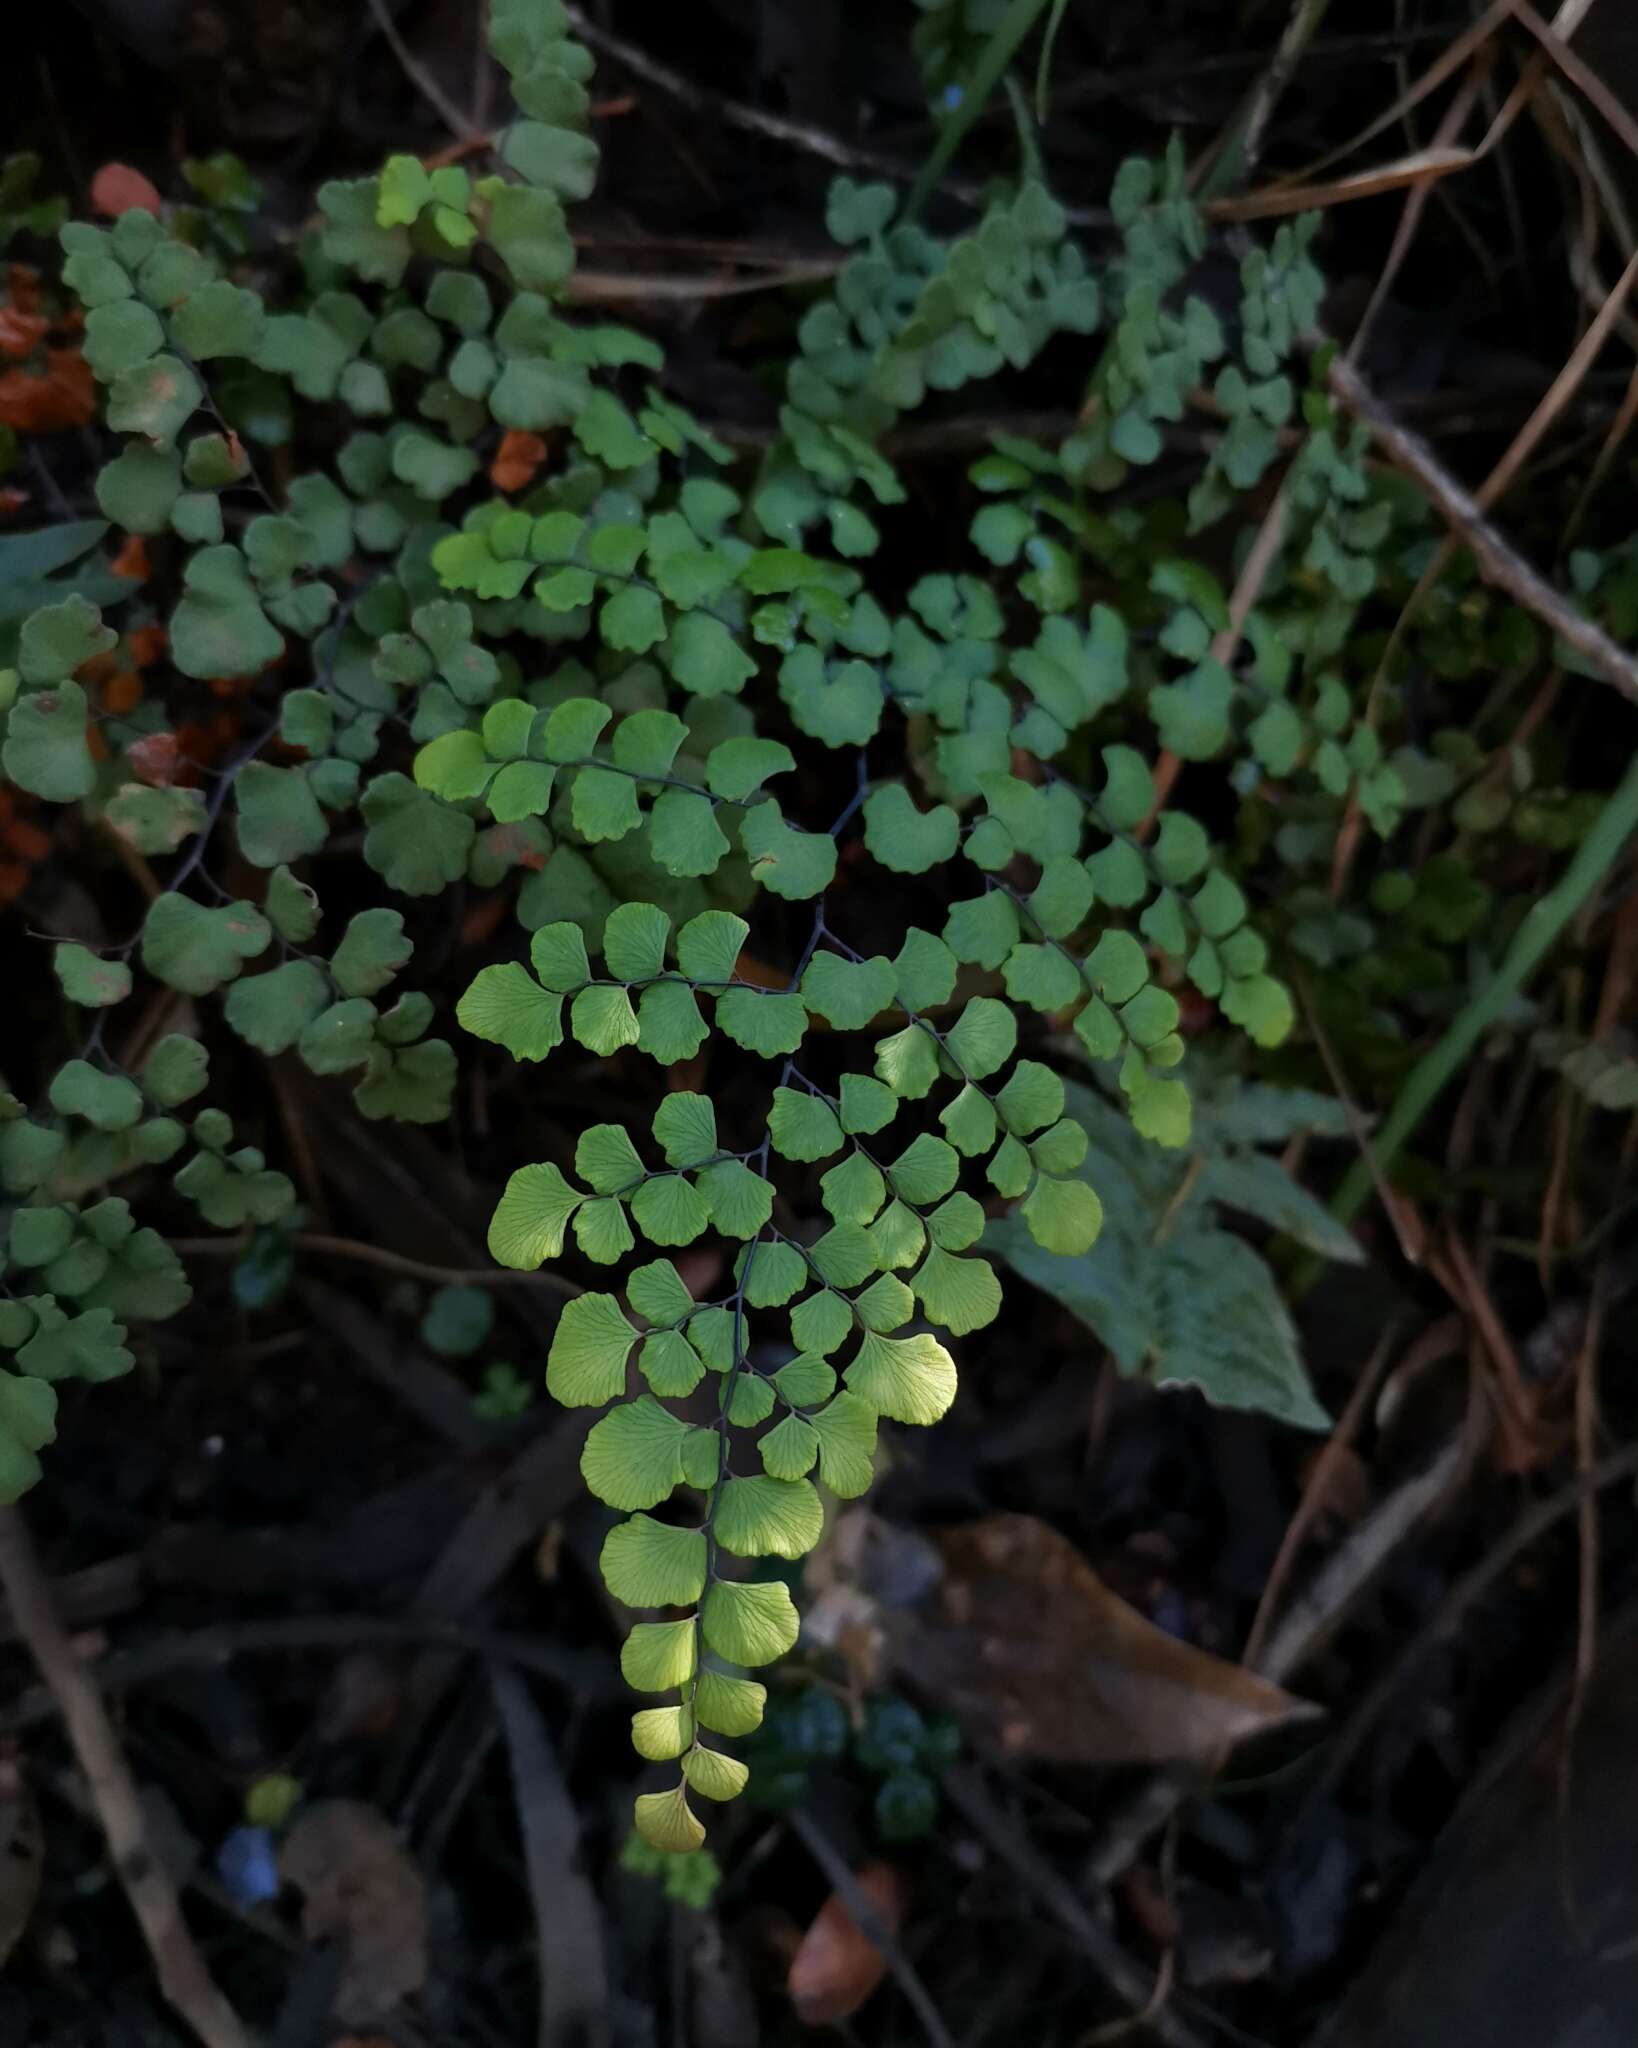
x=924 y=971
x=666 y=1821
x=790 y=1449
x=820 y=1324
x=155 y=820
x=684 y=835
x=771 y=1274
x=175 y=1071
x=557 y=953
x=195 y=949
x=713 y=1775
x=791 y=863
x=983 y=930
x=911 y=1379
x=685 y=1126
x=771 y=1025
x=1032 y=1097
x=924 y=1171
x=279 y=816
x=766 y=1517
x=969 y=1122
x=633 y=1457
x=848 y=993
x=1042 y=977
x=271 y=1011
x=372 y=950
x=983 y=1037
x=86 y=979
x=45 y=750
x=603 y=1020
x=854 y=1191
x=907 y=1062
x=660 y=1733
x=417 y=844
x=961 y=1294
x=606 y=1159
x=905 y=839
x=749 y=1624
x=728 y=1705
x=658 y=1656
x=507 y=1006
x=670 y=1364
x=804 y=1381
x=886 y=1304
x=844 y=1256
x=603 y=804
x=602 y=1229
x=868 y=1105
x=670 y=1025
x=531 y=1217
x=846 y=1429
x=155 y=399
x=708 y=946
x=634 y=941
x=739 y=1200
x=737 y=768
x=668 y=1210
x=704 y=658
x=1260 y=1005
x=219 y=628
x=653 y=1564
x=803 y=1126
x=657 y=1293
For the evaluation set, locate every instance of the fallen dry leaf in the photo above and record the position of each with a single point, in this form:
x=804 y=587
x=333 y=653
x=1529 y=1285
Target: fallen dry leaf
x=64 y=395
x=117 y=189
x=21 y=333
x=153 y=759
x=516 y=460
x=838 y=1966
x=360 y=1885
x=1035 y=1655
x=132 y=559
x=22 y=1855
x=145 y=644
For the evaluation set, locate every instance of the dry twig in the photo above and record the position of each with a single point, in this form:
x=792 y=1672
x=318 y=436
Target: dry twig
x=183 y=1977
x=1497 y=560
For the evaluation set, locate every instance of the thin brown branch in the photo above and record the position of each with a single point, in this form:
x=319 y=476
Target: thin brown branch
x=325 y=1246
x=460 y=125
x=1498 y=562
x=183 y=1977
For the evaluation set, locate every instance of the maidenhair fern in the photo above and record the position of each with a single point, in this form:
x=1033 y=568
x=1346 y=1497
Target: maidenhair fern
x=668 y=711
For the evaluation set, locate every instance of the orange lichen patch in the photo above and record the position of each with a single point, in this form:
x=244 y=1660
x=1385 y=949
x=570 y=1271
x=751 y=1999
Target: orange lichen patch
x=65 y=395
x=95 y=745
x=122 y=692
x=144 y=645
x=516 y=460
x=118 y=188
x=132 y=559
x=20 y=333
x=99 y=668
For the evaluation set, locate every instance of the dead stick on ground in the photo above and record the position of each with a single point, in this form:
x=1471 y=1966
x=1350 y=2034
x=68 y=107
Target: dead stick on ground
x=1497 y=560
x=183 y=1978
